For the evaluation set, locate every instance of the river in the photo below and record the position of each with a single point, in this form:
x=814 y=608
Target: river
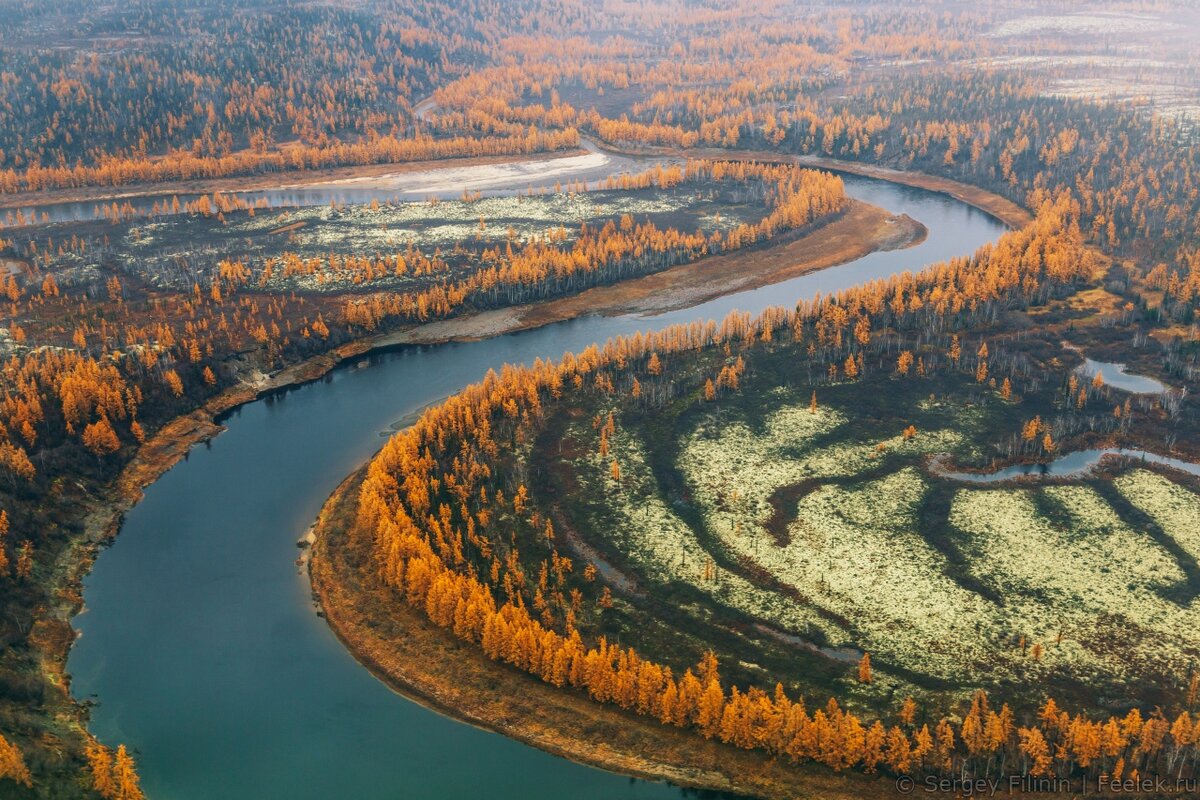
x=200 y=642
x=448 y=183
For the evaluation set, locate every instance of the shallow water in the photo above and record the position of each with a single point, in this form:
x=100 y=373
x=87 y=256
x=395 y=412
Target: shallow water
x=200 y=642
x=1114 y=375
x=1071 y=465
x=446 y=183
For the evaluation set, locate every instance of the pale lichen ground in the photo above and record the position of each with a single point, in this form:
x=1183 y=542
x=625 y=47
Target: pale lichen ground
x=1172 y=507
x=664 y=549
x=176 y=251
x=1056 y=567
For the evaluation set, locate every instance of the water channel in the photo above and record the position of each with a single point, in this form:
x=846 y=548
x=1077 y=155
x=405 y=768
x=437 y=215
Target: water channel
x=200 y=644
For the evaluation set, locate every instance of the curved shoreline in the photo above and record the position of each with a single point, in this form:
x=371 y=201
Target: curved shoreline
x=995 y=205
x=290 y=179
x=171 y=443
x=1011 y=214
x=426 y=665
x=1003 y=209
x=422 y=663
x=835 y=241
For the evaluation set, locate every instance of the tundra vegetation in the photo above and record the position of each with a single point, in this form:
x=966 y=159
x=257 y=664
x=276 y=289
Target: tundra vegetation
x=683 y=491
x=754 y=510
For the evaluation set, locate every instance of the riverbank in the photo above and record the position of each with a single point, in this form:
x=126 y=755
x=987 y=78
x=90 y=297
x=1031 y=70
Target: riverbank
x=422 y=662
x=269 y=180
x=172 y=442
x=859 y=230
x=1003 y=209
x=862 y=229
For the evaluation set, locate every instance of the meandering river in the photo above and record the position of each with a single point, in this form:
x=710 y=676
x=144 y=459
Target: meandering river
x=200 y=643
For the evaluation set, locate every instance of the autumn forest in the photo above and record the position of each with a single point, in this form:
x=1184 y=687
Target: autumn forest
x=872 y=462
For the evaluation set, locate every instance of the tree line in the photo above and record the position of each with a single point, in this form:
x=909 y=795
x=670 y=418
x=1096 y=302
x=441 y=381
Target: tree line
x=439 y=505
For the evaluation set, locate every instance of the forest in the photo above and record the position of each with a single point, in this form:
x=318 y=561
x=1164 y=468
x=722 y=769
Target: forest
x=761 y=530
x=497 y=458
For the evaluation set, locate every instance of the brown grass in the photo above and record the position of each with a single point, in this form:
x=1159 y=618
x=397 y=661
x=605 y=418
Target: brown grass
x=1098 y=303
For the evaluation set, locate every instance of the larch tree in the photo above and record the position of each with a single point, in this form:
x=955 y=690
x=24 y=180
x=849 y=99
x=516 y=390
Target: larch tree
x=654 y=365
x=908 y=711
x=25 y=560
x=101 y=766
x=100 y=438
x=125 y=777
x=12 y=764
x=3 y=537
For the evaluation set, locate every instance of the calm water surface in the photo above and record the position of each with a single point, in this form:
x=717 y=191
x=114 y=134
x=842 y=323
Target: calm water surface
x=200 y=644
x=1115 y=376
x=1073 y=465
x=447 y=183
